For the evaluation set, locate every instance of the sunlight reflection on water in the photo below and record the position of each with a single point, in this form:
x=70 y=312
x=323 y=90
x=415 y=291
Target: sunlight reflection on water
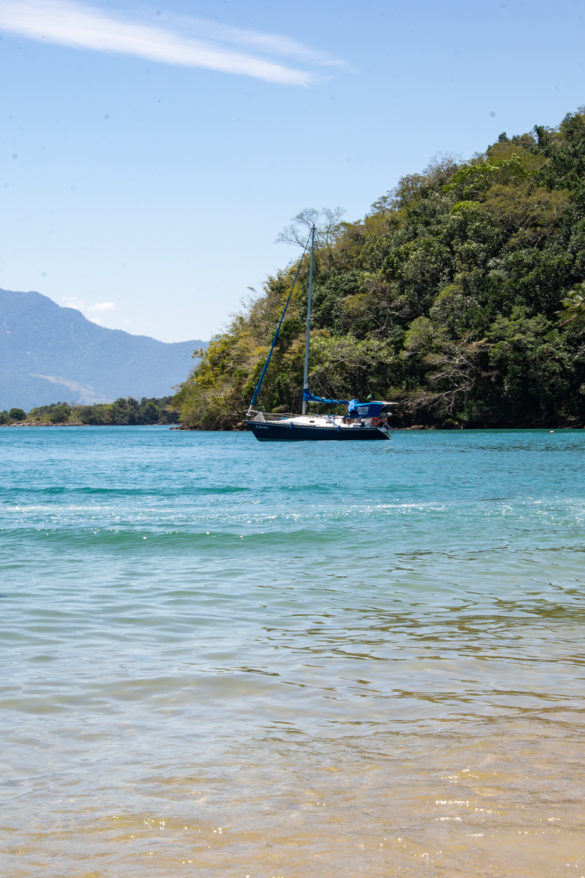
x=377 y=673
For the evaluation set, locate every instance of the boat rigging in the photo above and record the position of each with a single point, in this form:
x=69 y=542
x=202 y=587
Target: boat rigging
x=362 y=421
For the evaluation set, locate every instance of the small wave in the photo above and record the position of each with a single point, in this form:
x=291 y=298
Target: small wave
x=178 y=541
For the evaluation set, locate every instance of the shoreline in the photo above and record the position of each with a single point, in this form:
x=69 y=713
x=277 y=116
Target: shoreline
x=411 y=429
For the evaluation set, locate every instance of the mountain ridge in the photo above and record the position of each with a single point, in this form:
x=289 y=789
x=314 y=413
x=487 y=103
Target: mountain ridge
x=51 y=353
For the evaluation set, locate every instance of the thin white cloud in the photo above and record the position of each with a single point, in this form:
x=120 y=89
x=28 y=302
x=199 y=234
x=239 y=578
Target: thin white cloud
x=274 y=44
x=72 y=302
x=91 y=312
x=180 y=42
x=100 y=307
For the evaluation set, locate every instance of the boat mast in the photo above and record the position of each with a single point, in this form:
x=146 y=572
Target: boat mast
x=274 y=340
x=310 y=296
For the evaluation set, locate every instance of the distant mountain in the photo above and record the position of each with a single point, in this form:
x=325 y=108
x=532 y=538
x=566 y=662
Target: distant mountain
x=53 y=354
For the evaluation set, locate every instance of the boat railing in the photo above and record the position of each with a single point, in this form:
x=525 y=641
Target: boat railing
x=347 y=422
x=262 y=417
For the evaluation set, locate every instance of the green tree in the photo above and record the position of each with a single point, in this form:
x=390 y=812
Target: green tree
x=531 y=367
x=574 y=305
x=60 y=413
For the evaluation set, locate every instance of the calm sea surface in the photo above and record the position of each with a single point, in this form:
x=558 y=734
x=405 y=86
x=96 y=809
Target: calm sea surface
x=227 y=658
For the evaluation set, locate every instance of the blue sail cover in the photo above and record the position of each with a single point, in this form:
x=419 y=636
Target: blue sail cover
x=355 y=409
x=310 y=397
x=371 y=409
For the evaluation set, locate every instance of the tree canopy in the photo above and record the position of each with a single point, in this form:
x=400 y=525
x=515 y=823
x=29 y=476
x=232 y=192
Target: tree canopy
x=121 y=412
x=460 y=296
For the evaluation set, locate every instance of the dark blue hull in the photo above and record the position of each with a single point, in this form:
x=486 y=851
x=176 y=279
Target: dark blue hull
x=275 y=432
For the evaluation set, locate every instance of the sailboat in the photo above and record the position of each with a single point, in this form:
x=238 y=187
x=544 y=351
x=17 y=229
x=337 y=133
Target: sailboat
x=362 y=421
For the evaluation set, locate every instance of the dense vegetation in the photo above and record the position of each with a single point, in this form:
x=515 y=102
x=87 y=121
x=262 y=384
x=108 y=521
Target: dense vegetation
x=461 y=296
x=118 y=413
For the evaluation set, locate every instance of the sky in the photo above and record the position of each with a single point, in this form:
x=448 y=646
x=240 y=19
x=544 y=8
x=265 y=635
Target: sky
x=151 y=153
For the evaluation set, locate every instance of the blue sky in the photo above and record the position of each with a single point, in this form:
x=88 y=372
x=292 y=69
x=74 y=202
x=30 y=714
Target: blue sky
x=151 y=153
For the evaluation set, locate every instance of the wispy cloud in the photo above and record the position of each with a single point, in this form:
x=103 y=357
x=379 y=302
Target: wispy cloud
x=179 y=41
x=92 y=312
x=100 y=307
x=274 y=44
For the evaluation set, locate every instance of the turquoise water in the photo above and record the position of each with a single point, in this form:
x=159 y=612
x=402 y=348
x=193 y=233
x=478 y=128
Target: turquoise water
x=222 y=657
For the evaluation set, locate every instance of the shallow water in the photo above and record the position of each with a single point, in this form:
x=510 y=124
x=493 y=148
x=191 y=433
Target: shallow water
x=227 y=658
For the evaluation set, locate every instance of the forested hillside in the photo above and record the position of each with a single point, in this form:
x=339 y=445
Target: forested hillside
x=461 y=296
